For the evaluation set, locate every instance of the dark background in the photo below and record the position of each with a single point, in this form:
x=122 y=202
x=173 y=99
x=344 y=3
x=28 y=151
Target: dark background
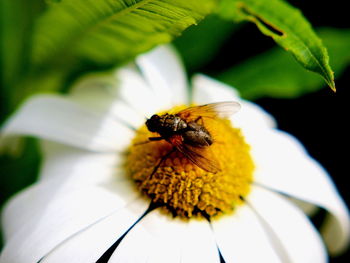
x=319 y=120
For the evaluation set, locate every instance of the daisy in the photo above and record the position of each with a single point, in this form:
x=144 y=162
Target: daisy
x=92 y=202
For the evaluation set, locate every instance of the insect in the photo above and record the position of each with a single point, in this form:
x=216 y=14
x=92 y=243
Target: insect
x=186 y=131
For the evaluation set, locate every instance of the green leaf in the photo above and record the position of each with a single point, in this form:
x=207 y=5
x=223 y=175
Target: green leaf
x=16 y=21
x=276 y=74
x=108 y=32
x=287 y=26
x=199 y=44
x=72 y=37
x=19 y=171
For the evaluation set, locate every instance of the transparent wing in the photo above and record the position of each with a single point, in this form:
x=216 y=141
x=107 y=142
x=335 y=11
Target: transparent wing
x=193 y=154
x=198 y=159
x=213 y=110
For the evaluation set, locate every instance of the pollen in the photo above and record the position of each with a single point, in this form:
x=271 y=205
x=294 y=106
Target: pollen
x=181 y=187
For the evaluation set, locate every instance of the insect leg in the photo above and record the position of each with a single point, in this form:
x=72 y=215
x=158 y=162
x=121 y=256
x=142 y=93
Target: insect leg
x=199 y=120
x=155 y=138
x=150 y=139
x=161 y=161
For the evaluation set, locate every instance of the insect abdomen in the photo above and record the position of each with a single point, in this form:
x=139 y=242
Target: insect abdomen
x=197 y=136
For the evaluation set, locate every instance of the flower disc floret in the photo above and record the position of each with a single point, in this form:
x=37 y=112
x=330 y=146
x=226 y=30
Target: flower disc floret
x=184 y=189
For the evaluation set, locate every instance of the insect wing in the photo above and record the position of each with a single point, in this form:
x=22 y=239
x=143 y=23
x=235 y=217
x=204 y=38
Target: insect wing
x=198 y=159
x=213 y=110
x=194 y=156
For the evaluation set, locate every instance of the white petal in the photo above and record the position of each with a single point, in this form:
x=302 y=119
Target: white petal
x=61 y=120
x=53 y=196
x=135 y=92
x=241 y=238
x=308 y=208
x=91 y=243
x=155 y=238
x=160 y=238
x=76 y=167
x=64 y=169
x=165 y=73
x=282 y=164
x=126 y=115
x=208 y=90
x=289 y=230
x=42 y=217
x=199 y=243
x=251 y=116
x=96 y=90
x=100 y=92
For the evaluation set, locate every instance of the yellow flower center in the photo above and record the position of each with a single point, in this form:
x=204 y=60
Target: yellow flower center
x=180 y=186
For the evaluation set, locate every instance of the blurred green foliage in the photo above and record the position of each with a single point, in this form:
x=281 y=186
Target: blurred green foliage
x=16 y=21
x=18 y=172
x=199 y=44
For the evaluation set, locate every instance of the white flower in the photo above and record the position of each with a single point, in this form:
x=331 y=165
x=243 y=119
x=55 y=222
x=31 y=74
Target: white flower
x=83 y=203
